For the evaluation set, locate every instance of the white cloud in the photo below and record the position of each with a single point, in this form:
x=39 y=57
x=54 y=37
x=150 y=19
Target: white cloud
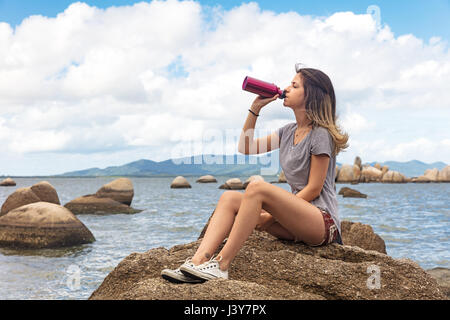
x=94 y=81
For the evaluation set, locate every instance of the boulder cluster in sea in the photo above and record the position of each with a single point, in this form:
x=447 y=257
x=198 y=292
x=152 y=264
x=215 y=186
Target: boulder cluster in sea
x=359 y=173
x=32 y=217
x=268 y=268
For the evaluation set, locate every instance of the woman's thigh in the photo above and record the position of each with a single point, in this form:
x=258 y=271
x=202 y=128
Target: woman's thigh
x=301 y=218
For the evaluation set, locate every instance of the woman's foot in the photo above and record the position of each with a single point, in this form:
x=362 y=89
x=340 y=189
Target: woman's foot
x=206 y=271
x=176 y=276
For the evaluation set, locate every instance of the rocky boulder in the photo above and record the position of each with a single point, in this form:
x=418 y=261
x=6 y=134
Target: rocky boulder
x=351 y=193
x=120 y=190
x=267 y=268
x=361 y=235
x=91 y=204
x=444 y=174
x=206 y=179
x=45 y=192
x=370 y=174
x=8 y=182
x=42 y=225
x=393 y=177
x=358 y=162
x=18 y=198
x=180 y=182
x=233 y=184
x=442 y=276
x=348 y=173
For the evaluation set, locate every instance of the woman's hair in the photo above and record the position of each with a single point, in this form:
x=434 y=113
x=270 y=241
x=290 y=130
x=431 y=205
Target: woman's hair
x=320 y=104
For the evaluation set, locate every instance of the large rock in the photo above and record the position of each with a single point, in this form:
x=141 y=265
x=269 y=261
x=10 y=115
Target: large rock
x=42 y=225
x=444 y=174
x=45 y=192
x=179 y=183
x=351 y=193
x=91 y=204
x=431 y=174
x=252 y=178
x=358 y=162
x=206 y=179
x=267 y=268
x=370 y=174
x=348 y=173
x=18 y=198
x=120 y=190
x=442 y=276
x=361 y=235
x=393 y=177
x=233 y=184
x=8 y=182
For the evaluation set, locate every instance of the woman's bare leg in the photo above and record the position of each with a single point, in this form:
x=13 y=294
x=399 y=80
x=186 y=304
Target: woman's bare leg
x=302 y=219
x=219 y=226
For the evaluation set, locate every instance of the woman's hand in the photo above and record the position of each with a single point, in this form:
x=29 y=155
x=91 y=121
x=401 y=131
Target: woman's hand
x=260 y=102
x=265 y=221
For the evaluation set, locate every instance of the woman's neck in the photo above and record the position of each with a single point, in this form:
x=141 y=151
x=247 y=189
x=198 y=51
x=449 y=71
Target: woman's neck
x=302 y=120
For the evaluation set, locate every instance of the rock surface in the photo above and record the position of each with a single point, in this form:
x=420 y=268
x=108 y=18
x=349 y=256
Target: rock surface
x=267 y=268
x=45 y=192
x=361 y=235
x=442 y=276
x=351 y=193
x=233 y=184
x=42 y=225
x=8 y=182
x=120 y=190
x=444 y=174
x=206 y=179
x=179 y=183
x=91 y=204
x=393 y=177
x=370 y=174
x=18 y=198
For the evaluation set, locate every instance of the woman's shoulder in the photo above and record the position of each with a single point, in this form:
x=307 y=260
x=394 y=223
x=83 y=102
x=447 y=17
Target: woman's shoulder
x=320 y=131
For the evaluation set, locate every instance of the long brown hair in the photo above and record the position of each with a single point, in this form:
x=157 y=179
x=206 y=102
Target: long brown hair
x=320 y=104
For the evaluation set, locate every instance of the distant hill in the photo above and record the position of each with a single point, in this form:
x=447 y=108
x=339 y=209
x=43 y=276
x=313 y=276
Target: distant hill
x=189 y=166
x=226 y=165
x=413 y=168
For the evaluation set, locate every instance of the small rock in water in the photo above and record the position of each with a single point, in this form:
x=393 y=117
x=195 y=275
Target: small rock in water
x=351 y=193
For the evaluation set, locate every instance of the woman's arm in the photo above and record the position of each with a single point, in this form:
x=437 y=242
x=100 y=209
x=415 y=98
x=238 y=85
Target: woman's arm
x=317 y=175
x=247 y=144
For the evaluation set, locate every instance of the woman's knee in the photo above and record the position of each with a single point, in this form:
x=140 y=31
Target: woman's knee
x=232 y=198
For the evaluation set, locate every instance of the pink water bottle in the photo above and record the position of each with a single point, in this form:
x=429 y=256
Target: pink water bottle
x=264 y=89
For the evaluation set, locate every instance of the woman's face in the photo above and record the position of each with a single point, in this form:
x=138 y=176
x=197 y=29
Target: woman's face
x=295 y=94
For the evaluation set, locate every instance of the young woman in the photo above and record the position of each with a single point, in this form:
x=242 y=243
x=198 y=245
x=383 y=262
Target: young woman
x=308 y=149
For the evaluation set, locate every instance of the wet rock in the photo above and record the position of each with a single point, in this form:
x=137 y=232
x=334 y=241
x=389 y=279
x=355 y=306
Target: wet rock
x=45 y=192
x=120 y=190
x=351 y=193
x=179 y=183
x=8 y=182
x=268 y=268
x=206 y=179
x=42 y=225
x=91 y=204
x=18 y=198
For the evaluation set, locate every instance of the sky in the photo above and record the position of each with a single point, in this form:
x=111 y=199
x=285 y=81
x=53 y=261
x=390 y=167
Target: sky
x=103 y=83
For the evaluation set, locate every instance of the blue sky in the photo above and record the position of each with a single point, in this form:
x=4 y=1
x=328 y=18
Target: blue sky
x=82 y=87
x=423 y=18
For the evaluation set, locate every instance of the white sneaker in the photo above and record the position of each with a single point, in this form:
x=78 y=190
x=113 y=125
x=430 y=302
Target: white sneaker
x=206 y=271
x=176 y=276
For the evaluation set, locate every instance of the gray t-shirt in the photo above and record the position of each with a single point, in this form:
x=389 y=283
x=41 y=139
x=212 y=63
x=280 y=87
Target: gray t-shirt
x=295 y=161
